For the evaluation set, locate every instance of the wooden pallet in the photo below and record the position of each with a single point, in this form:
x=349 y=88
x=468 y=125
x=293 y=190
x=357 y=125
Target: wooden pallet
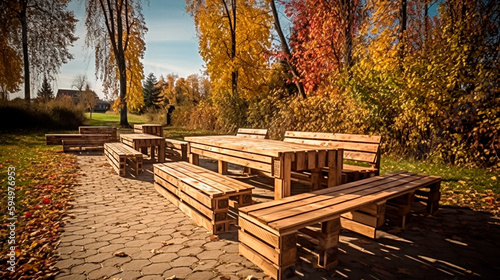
x=200 y=193
x=103 y=130
x=56 y=139
x=97 y=143
x=363 y=149
x=153 y=129
x=269 y=231
x=252 y=133
x=176 y=149
x=118 y=154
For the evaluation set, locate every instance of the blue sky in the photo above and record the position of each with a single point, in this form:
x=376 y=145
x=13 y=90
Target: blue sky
x=171 y=45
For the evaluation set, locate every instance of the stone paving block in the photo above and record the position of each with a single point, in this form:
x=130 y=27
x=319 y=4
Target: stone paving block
x=202 y=275
x=190 y=251
x=99 y=257
x=84 y=268
x=104 y=272
x=156 y=269
x=135 y=265
x=184 y=261
x=209 y=255
x=68 y=263
x=179 y=272
x=128 y=275
x=163 y=258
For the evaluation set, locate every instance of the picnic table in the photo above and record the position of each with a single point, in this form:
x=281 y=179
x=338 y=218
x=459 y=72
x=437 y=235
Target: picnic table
x=141 y=142
x=276 y=158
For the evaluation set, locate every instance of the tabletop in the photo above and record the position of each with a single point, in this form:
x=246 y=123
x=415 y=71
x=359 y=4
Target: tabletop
x=267 y=147
x=138 y=136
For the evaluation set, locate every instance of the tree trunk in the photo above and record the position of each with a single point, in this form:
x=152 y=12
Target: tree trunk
x=24 y=30
x=402 y=29
x=286 y=50
x=234 y=74
x=123 y=92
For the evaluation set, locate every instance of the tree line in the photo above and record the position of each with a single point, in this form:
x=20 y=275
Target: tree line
x=423 y=74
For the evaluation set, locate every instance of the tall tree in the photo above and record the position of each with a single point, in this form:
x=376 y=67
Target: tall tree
x=322 y=38
x=116 y=29
x=151 y=92
x=286 y=53
x=45 y=93
x=234 y=40
x=44 y=30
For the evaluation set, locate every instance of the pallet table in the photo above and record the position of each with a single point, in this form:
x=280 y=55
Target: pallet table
x=141 y=142
x=276 y=158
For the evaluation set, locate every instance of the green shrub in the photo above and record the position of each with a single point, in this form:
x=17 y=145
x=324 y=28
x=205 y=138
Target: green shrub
x=55 y=114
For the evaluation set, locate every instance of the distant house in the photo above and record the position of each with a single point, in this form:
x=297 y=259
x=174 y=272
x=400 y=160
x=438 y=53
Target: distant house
x=68 y=92
x=101 y=106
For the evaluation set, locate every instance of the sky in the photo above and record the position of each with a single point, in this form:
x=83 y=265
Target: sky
x=171 y=45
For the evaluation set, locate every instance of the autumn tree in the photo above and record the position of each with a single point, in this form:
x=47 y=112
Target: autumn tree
x=234 y=40
x=88 y=98
x=322 y=39
x=43 y=31
x=116 y=29
x=11 y=64
x=151 y=92
x=45 y=93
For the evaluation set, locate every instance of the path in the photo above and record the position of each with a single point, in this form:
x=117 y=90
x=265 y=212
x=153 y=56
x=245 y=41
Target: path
x=112 y=214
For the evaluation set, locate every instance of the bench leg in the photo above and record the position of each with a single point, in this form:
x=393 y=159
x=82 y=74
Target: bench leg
x=316 y=179
x=274 y=253
x=328 y=243
x=194 y=159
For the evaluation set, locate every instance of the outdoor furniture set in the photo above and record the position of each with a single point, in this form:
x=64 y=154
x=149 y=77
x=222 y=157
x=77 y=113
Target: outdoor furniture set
x=273 y=234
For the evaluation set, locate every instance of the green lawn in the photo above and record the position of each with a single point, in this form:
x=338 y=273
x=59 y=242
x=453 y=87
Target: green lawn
x=112 y=118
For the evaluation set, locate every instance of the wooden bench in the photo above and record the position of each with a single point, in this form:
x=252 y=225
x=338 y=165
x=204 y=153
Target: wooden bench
x=362 y=149
x=88 y=144
x=252 y=133
x=117 y=155
x=154 y=129
x=56 y=139
x=270 y=231
x=103 y=130
x=200 y=193
x=176 y=149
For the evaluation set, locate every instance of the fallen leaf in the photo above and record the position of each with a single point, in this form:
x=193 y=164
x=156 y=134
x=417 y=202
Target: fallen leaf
x=166 y=243
x=225 y=277
x=171 y=278
x=120 y=254
x=214 y=238
x=251 y=277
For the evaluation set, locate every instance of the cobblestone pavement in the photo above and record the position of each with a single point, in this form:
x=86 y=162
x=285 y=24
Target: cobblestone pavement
x=121 y=228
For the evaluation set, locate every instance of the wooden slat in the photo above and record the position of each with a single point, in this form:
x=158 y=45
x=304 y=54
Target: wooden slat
x=334 y=136
x=236 y=160
x=252 y=133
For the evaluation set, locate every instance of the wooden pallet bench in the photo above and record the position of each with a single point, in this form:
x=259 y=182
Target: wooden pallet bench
x=176 y=149
x=56 y=139
x=103 y=130
x=202 y=194
x=79 y=144
x=272 y=233
x=154 y=129
x=118 y=154
x=362 y=149
x=252 y=133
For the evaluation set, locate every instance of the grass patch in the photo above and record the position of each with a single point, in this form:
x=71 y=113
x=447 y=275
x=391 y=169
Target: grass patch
x=476 y=188
x=43 y=176
x=112 y=119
